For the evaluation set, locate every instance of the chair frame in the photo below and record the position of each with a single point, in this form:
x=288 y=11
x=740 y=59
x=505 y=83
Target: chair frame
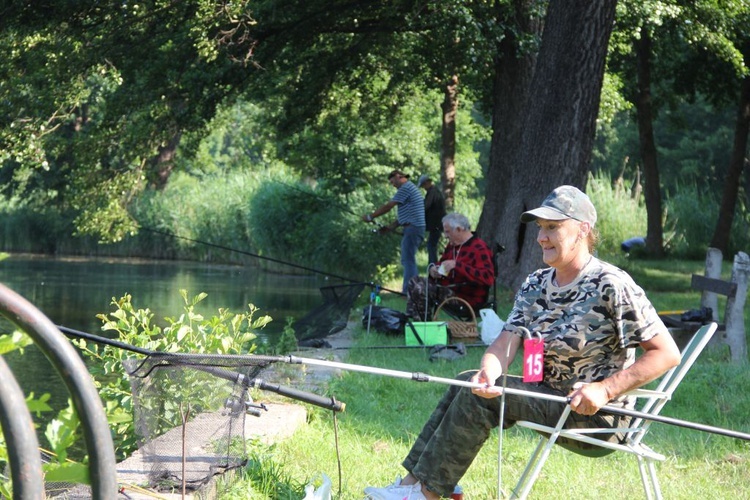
x=654 y=402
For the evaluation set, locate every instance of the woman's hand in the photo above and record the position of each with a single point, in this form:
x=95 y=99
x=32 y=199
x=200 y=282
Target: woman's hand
x=487 y=377
x=587 y=399
x=448 y=266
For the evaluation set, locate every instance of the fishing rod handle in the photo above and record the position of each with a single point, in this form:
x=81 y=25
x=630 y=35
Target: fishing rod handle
x=307 y=397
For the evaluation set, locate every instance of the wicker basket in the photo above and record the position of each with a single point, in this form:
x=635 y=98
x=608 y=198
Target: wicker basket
x=459 y=329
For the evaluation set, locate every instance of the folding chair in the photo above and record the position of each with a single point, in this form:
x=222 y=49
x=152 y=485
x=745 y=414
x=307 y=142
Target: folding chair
x=655 y=401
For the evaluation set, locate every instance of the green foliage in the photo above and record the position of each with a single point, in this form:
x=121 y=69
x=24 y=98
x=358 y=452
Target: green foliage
x=619 y=215
x=213 y=210
x=693 y=213
x=288 y=341
x=263 y=478
x=225 y=333
x=319 y=231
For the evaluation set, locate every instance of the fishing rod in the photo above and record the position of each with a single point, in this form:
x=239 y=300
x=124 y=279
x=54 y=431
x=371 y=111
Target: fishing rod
x=238 y=378
x=263 y=257
x=247 y=382
x=417 y=377
x=423 y=377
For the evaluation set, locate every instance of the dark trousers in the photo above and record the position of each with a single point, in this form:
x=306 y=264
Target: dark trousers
x=432 y=245
x=462 y=422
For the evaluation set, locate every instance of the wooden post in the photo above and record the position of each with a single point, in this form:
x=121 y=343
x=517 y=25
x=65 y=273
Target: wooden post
x=713 y=270
x=734 y=313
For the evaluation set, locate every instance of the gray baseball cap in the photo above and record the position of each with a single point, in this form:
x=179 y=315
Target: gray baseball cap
x=565 y=202
x=422 y=180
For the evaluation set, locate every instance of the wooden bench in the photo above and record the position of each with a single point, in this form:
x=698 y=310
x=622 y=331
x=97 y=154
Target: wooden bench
x=732 y=325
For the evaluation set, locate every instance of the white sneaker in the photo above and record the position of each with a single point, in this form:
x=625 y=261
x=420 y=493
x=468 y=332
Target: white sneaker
x=396 y=491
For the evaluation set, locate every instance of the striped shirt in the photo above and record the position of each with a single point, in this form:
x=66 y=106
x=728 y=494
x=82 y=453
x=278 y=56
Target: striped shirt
x=410 y=205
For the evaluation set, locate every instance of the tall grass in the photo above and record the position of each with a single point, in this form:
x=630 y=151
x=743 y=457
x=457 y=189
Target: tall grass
x=279 y=215
x=619 y=215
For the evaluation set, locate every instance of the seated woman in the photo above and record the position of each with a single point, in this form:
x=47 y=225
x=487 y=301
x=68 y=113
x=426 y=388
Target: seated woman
x=465 y=269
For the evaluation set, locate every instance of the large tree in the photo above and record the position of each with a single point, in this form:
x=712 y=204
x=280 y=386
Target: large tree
x=169 y=67
x=96 y=96
x=556 y=124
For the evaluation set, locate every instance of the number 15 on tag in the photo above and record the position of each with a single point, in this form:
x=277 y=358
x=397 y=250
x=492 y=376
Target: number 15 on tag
x=533 y=360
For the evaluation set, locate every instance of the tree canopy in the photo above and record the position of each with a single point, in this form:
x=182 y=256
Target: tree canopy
x=98 y=99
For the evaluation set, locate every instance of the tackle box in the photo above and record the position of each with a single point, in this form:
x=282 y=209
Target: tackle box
x=431 y=332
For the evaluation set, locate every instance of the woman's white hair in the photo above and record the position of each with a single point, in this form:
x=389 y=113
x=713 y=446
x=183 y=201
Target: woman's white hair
x=456 y=221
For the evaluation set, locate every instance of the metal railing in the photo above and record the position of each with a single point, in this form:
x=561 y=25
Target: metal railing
x=23 y=449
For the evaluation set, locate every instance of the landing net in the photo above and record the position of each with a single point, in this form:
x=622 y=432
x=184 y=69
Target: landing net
x=330 y=317
x=190 y=417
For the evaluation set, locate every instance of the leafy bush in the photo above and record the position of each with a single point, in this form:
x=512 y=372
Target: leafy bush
x=226 y=333
x=318 y=231
x=61 y=433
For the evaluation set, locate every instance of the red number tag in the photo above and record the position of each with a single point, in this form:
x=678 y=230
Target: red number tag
x=533 y=360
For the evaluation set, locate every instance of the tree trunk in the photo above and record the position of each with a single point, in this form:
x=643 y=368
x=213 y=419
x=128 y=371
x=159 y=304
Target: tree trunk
x=163 y=163
x=723 y=228
x=448 y=146
x=557 y=120
x=643 y=105
x=514 y=69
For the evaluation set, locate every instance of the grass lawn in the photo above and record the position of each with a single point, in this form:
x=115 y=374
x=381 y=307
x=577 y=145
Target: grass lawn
x=384 y=414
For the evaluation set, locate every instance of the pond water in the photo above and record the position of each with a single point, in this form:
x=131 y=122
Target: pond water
x=72 y=291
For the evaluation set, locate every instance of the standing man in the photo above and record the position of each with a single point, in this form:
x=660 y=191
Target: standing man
x=434 y=211
x=410 y=216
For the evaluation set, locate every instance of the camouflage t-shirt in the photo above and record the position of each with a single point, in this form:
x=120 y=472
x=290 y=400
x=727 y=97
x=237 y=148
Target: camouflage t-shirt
x=590 y=327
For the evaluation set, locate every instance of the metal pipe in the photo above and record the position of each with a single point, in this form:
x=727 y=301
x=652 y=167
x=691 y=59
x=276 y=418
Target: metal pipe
x=75 y=375
x=20 y=439
x=423 y=377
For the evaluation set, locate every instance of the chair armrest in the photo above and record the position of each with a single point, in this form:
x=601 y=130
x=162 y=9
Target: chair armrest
x=648 y=393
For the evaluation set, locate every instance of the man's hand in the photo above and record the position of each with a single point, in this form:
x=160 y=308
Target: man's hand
x=448 y=266
x=587 y=399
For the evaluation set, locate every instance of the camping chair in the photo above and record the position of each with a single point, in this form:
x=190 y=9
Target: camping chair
x=634 y=434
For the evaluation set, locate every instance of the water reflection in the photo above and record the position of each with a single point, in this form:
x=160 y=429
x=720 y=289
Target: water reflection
x=71 y=292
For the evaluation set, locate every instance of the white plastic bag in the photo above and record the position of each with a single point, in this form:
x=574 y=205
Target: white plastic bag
x=322 y=492
x=490 y=326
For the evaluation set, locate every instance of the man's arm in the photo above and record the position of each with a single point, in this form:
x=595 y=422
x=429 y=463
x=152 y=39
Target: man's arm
x=479 y=270
x=660 y=354
x=385 y=208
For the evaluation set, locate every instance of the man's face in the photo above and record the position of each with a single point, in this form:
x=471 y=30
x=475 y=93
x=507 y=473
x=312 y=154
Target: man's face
x=397 y=180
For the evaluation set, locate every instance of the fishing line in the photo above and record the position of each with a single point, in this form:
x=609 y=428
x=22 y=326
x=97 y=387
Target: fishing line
x=263 y=257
